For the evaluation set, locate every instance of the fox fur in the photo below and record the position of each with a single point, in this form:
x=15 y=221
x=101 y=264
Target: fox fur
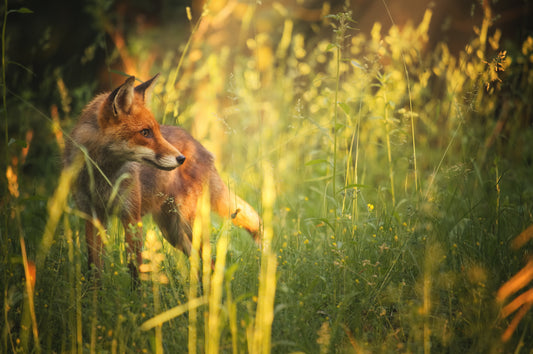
x=157 y=169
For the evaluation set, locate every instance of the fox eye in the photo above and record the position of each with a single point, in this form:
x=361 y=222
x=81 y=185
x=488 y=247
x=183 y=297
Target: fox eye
x=147 y=133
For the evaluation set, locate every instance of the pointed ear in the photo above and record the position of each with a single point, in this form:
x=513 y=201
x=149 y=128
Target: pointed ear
x=122 y=97
x=145 y=88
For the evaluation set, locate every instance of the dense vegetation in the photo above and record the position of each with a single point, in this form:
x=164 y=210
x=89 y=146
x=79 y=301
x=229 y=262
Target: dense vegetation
x=393 y=180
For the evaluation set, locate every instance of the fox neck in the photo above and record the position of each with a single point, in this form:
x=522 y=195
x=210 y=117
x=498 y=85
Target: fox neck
x=108 y=161
x=110 y=179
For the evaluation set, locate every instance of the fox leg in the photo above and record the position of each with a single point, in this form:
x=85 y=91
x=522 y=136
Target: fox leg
x=227 y=204
x=177 y=233
x=95 y=246
x=134 y=245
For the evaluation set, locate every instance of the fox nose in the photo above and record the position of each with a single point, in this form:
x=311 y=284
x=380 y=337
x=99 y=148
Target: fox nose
x=180 y=159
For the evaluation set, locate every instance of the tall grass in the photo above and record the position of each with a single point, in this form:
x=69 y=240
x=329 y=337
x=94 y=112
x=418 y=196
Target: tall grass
x=391 y=181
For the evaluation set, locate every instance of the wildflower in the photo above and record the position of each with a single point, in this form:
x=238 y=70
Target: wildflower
x=370 y=207
x=383 y=247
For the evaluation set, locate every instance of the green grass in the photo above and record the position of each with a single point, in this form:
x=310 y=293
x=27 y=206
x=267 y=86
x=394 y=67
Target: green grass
x=392 y=181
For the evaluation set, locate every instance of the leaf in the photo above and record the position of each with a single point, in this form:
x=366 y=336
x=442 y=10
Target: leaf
x=22 y=10
x=326 y=221
x=22 y=66
x=345 y=108
x=19 y=143
x=318 y=179
x=315 y=162
x=331 y=46
x=354 y=185
x=339 y=126
x=356 y=64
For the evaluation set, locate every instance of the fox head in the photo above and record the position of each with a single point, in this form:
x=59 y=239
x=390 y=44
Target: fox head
x=135 y=133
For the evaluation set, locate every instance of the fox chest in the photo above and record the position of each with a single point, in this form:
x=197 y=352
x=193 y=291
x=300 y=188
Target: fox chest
x=169 y=192
x=106 y=193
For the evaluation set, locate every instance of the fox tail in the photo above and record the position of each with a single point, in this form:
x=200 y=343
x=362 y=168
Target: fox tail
x=227 y=204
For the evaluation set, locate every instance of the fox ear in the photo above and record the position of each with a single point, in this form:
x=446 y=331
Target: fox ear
x=145 y=88
x=122 y=97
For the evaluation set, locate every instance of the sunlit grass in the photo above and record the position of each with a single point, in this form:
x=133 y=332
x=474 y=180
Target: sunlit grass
x=390 y=183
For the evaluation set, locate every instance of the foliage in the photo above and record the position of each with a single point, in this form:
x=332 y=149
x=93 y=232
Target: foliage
x=392 y=180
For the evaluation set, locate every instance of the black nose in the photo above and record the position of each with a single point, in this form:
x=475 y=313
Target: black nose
x=180 y=159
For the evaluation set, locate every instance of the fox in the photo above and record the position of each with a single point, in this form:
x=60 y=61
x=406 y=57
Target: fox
x=137 y=167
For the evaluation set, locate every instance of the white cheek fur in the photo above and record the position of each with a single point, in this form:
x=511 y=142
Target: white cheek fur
x=141 y=153
x=124 y=151
x=168 y=161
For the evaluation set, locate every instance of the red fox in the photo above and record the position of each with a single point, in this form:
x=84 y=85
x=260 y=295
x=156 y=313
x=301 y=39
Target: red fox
x=140 y=167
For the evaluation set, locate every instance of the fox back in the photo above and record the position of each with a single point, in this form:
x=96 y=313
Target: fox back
x=136 y=166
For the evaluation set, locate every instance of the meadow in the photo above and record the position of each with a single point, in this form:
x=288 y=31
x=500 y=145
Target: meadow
x=394 y=183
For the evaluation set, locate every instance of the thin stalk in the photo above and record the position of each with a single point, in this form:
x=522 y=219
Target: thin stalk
x=232 y=316
x=356 y=162
x=347 y=179
x=31 y=300
x=157 y=307
x=72 y=281
x=6 y=132
x=194 y=260
x=426 y=310
x=335 y=118
x=408 y=81
x=261 y=333
x=4 y=88
x=214 y=320
x=173 y=75
x=389 y=152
